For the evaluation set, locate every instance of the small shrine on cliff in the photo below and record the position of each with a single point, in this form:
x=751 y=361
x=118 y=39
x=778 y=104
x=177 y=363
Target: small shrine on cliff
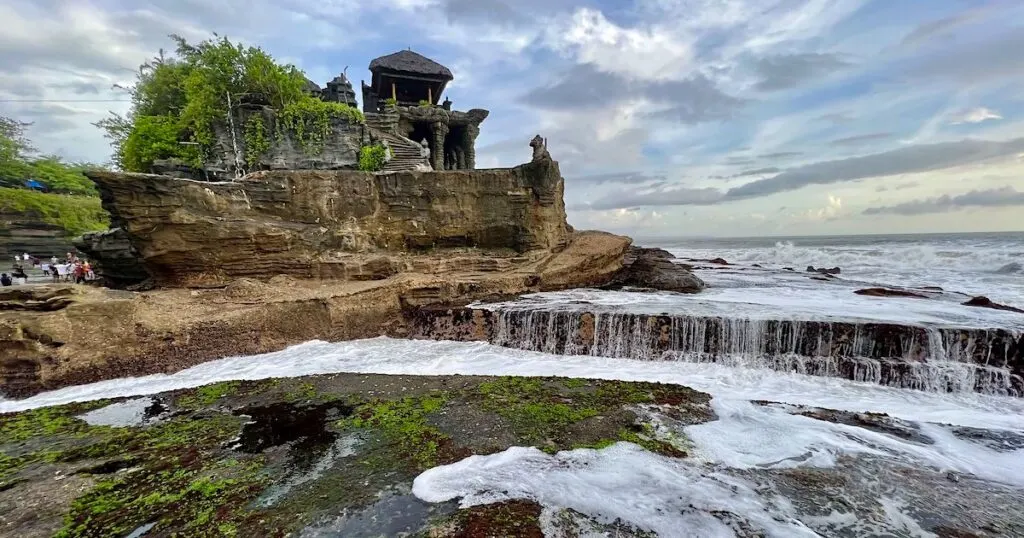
x=404 y=108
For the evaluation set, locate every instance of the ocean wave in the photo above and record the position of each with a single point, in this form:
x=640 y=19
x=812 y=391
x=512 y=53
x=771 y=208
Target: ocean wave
x=910 y=258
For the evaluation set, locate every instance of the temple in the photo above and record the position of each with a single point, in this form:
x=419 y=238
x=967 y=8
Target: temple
x=403 y=108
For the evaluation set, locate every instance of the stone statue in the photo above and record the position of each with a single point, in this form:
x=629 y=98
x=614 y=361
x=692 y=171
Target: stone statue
x=425 y=149
x=540 y=148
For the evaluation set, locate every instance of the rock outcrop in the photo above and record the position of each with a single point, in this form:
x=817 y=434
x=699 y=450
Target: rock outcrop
x=98 y=333
x=653 y=268
x=283 y=149
x=22 y=232
x=114 y=258
x=345 y=225
x=985 y=302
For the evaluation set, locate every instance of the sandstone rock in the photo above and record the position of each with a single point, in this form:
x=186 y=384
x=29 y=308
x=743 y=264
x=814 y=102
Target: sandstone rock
x=985 y=302
x=100 y=333
x=330 y=224
x=22 y=232
x=651 y=269
x=887 y=292
x=113 y=257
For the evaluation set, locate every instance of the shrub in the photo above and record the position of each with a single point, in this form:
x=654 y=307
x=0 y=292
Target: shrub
x=371 y=158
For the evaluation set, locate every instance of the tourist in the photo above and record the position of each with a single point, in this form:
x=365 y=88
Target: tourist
x=5 y=280
x=54 y=260
x=79 y=273
x=62 y=272
x=45 y=266
x=89 y=274
x=20 y=275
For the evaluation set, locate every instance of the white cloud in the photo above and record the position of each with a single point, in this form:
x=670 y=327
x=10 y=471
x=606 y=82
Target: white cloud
x=975 y=115
x=645 y=52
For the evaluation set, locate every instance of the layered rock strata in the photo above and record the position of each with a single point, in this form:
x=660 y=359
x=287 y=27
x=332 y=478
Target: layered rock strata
x=331 y=224
x=908 y=356
x=98 y=333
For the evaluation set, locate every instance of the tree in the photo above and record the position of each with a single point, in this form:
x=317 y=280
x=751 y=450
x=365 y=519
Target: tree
x=19 y=164
x=178 y=101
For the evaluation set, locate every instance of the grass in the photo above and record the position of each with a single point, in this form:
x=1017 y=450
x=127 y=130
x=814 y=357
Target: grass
x=74 y=214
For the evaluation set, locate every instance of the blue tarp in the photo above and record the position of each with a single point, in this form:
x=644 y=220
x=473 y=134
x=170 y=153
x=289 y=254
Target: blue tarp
x=33 y=184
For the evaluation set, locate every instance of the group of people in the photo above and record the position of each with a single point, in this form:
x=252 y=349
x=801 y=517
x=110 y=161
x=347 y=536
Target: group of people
x=68 y=269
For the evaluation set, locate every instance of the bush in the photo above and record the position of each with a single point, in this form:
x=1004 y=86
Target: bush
x=371 y=158
x=75 y=214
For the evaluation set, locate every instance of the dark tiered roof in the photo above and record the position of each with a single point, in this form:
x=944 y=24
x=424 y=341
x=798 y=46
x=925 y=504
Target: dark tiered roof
x=407 y=61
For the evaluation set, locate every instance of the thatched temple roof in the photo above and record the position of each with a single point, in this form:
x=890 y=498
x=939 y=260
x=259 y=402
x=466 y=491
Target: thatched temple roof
x=407 y=61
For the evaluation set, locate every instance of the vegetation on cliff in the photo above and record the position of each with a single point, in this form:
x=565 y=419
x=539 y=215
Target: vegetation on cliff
x=19 y=163
x=75 y=214
x=372 y=158
x=178 y=100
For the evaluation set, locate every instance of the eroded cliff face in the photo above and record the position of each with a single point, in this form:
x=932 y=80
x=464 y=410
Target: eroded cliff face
x=22 y=232
x=54 y=336
x=344 y=225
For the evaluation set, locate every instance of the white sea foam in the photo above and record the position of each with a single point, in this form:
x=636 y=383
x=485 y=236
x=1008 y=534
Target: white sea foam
x=622 y=482
x=988 y=265
x=793 y=301
x=417 y=357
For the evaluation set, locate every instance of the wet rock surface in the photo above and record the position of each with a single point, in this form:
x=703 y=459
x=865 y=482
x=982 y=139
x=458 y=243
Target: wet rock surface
x=889 y=292
x=985 y=302
x=653 y=269
x=317 y=456
x=336 y=455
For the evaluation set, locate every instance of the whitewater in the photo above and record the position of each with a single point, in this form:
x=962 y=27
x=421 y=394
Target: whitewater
x=626 y=483
x=990 y=264
x=735 y=459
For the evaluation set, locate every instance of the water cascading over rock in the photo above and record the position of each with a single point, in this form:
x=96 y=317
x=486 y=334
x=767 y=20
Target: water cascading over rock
x=944 y=359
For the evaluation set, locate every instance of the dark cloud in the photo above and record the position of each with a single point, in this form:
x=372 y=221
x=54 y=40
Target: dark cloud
x=83 y=88
x=788 y=70
x=860 y=139
x=626 y=199
x=692 y=100
x=780 y=155
x=897 y=187
x=758 y=172
x=920 y=158
x=618 y=177
x=1002 y=197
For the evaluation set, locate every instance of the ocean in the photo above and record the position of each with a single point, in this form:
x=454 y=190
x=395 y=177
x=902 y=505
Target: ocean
x=989 y=264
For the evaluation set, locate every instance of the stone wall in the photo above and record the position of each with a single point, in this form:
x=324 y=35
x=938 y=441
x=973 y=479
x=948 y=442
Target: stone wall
x=329 y=224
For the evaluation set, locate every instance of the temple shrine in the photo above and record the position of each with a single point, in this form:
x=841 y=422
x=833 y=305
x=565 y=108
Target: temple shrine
x=403 y=107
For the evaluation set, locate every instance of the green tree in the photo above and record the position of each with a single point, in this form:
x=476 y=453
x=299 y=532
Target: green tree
x=178 y=100
x=18 y=163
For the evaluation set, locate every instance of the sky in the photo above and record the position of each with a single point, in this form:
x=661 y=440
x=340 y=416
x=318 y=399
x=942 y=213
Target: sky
x=668 y=117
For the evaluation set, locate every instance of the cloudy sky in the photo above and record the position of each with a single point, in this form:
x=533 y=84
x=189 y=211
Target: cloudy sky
x=669 y=117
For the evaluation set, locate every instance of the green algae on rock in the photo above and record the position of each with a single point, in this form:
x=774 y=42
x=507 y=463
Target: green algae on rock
x=273 y=457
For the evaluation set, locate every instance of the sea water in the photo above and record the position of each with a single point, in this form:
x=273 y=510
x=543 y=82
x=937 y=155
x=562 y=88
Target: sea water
x=990 y=264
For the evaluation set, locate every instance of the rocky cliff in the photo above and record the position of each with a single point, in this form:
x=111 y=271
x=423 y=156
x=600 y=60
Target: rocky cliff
x=257 y=142
x=54 y=336
x=22 y=232
x=340 y=224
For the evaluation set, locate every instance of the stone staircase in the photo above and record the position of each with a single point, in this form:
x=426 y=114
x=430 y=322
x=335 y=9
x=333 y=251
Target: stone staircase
x=405 y=154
